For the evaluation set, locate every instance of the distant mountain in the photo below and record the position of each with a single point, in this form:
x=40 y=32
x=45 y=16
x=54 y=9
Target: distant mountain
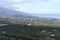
x=4 y=12
x=9 y=12
x=12 y=13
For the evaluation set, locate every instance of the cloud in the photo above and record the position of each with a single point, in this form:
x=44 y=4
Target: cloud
x=44 y=11
x=55 y=0
x=6 y=2
x=25 y=1
x=20 y=2
x=17 y=5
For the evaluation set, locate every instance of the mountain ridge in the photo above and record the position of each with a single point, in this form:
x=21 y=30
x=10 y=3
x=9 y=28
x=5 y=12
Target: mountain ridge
x=13 y=13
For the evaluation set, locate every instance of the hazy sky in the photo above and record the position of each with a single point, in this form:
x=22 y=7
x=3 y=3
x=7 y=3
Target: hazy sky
x=33 y=6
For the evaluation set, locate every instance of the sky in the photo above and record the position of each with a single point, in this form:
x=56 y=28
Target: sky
x=33 y=6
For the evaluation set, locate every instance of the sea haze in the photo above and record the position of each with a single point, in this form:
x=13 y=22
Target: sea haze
x=52 y=15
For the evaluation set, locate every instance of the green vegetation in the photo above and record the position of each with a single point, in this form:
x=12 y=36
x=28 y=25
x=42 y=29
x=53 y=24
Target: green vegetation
x=31 y=32
x=36 y=21
x=39 y=30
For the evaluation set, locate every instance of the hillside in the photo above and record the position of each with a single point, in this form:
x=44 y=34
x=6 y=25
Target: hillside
x=17 y=17
x=13 y=13
x=14 y=26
